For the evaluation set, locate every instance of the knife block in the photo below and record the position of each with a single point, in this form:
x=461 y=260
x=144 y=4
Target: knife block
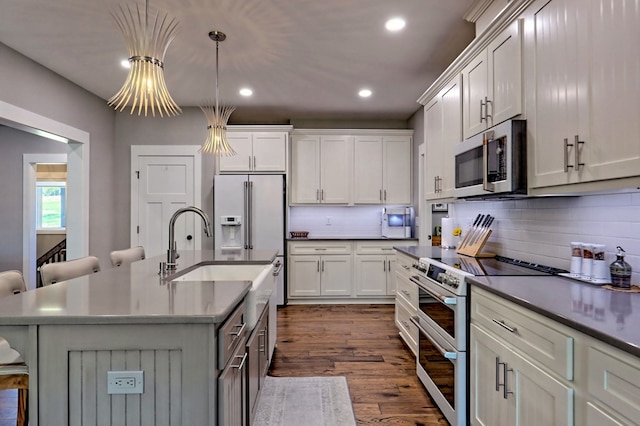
x=474 y=250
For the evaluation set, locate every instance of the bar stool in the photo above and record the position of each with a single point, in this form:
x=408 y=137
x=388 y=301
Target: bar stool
x=61 y=271
x=126 y=256
x=14 y=374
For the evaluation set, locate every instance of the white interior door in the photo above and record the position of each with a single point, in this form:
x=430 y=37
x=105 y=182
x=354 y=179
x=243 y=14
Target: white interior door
x=164 y=179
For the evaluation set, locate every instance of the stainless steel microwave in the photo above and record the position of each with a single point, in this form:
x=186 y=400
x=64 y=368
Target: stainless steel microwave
x=493 y=163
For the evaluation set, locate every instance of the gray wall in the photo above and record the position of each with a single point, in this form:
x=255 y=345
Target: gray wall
x=35 y=88
x=14 y=143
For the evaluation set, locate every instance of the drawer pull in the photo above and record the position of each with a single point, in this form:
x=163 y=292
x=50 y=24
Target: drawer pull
x=505 y=326
x=239 y=332
x=239 y=366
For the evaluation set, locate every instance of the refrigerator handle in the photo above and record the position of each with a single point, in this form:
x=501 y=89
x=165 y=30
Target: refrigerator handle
x=250 y=221
x=246 y=215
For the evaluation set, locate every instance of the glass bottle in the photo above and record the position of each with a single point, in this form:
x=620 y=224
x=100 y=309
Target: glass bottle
x=620 y=271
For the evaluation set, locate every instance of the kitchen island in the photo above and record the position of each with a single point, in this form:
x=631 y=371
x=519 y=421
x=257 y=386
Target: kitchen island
x=130 y=318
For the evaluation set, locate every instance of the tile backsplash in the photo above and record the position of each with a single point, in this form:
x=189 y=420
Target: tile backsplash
x=334 y=221
x=541 y=229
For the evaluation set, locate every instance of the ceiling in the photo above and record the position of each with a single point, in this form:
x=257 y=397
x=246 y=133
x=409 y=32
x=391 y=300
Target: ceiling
x=304 y=59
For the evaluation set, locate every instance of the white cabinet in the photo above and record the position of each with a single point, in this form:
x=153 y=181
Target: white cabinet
x=492 y=82
x=321 y=169
x=443 y=121
x=406 y=302
x=382 y=169
x=375 y=265
x=582 y=103
x=506 y=389
x=521 y=366
x=256 y=151
x=318 y=269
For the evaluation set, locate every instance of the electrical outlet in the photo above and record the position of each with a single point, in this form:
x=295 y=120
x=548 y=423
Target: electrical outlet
x=119 y=382
x=328 y=220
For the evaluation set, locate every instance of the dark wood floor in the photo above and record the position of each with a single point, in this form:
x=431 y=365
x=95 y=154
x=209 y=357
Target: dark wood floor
x=360 y=342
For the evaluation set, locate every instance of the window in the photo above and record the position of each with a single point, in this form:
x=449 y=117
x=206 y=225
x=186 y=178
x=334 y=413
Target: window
x=51 y=205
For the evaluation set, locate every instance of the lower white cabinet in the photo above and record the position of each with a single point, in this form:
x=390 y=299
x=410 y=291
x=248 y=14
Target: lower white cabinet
x=328 y=275
x=406 y=301
x=526 y=369
x=374 y=275
x=506 y=389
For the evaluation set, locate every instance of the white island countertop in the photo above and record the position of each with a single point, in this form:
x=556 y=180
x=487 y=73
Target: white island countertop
x=136 y=294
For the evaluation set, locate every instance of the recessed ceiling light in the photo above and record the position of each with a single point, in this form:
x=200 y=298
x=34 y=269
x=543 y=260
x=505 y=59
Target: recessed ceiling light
x=395 y=24
x=246 y=91
x=365 y=93
x=125 y=63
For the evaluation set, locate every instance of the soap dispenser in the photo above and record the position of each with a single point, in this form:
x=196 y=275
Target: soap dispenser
x=620 y=271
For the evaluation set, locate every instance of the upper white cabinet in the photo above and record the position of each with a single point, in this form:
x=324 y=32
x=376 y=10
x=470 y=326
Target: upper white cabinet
x=492 y=82
x=582 y=93
x=345 y=167
x=321 y=169
x=257 y=151
x=382 y=169
x=443 y=130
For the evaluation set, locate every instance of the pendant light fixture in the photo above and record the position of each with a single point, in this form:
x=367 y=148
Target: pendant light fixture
x=217 y=115
x=147 y=39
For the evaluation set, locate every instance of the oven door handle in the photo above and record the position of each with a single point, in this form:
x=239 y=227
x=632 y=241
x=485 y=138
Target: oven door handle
x=443 y=351
x=441 y=297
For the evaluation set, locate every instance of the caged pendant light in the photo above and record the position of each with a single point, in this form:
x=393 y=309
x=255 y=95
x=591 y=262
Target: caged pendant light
x=217 y=116
x=147 y=39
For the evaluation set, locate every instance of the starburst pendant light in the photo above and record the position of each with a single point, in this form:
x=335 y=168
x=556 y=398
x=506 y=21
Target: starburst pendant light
x=217 y=116
x=147 y=38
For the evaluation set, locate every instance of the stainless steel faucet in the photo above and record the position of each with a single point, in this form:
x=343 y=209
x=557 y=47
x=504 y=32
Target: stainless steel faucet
x=172 y=253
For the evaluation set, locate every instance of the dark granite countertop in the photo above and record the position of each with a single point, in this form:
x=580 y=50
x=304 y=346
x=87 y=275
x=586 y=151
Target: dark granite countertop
x=419 y=251
x=610 y=316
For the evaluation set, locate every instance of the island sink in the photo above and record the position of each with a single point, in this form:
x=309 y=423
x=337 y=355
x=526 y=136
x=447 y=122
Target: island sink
x=263 y=283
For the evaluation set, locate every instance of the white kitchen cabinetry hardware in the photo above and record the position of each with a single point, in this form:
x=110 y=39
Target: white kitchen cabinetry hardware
x=382 y=169
x=263 y=151
x=406 y=302
x=492 y=83
x=582 y=103
x=320 y=270
x=443 y=130
x=375 y=268
x=321 y=169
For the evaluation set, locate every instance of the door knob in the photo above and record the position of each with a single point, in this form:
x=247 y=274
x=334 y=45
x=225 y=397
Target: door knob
x=189 y=237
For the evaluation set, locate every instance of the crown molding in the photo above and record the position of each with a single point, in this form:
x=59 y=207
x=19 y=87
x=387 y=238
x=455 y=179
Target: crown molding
x=476 y=10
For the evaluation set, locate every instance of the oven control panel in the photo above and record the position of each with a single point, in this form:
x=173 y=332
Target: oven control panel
x=450 y=278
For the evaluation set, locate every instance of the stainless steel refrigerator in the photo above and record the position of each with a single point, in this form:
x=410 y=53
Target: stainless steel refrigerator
x=249 y=213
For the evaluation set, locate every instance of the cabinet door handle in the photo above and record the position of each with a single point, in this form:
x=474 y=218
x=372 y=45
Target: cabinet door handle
x=254 y=162
x=385 y=195
x=566 y=155
x=323 y=266
x=502 y=324
x=322 y=195
x=505 y=389
x=481 y=105
x=317 y=195
x=389 y=265
x=498 y=363
x=486 y=109
x=384 y=266
x=381 y=195
x=317 y=266
x=435 y=184
x=576 y=146
x=239 y=332
x=249 y=162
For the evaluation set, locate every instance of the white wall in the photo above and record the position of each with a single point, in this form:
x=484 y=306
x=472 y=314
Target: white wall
x=540 y=229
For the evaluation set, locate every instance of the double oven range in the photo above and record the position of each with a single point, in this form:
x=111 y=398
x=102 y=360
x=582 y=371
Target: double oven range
x=443 y=323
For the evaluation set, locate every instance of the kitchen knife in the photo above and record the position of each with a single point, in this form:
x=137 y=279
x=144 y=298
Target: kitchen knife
x=472 y=231
x=481 y=231
x=468 y=234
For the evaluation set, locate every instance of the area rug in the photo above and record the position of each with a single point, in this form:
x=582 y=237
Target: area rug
x=309 y=401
